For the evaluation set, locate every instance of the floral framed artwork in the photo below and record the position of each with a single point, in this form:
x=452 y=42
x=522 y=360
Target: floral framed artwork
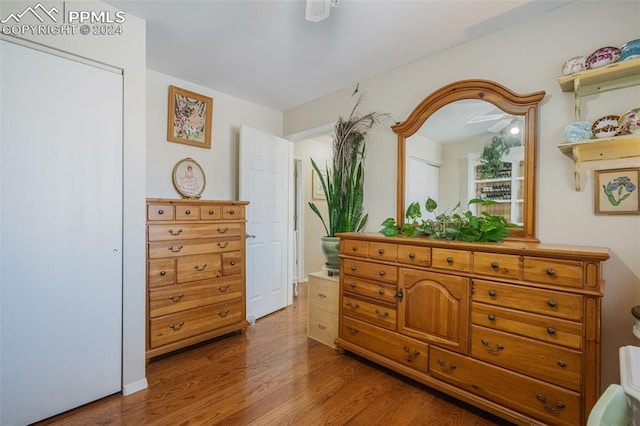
x=189 y=178
x=317 y=192
x=190 y=118
x=616 y=191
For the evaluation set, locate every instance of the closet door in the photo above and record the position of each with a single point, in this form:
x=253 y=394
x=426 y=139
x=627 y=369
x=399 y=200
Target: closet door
x=61 y=234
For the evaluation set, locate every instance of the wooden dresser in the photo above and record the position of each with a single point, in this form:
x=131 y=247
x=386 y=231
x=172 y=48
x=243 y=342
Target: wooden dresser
x=512 y=328
x=195 y=272
x=323 y=307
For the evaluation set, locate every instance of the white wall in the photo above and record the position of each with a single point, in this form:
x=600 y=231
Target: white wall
x=220 y=163
x=125 y=51
x=526 y=58
x=319 y=149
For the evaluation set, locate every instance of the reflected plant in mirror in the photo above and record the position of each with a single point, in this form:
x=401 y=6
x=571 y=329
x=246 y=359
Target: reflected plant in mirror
x=455 y=224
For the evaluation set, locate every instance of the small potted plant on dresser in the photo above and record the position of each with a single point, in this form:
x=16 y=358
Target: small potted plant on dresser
x=343 y=182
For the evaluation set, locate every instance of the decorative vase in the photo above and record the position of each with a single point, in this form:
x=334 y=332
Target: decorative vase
x=331 y=248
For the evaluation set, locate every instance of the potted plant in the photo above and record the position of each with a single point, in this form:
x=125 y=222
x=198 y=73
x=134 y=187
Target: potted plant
x=343 y=181
x=492 y=153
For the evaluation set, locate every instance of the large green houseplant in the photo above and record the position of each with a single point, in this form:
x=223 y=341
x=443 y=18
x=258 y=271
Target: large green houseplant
x=343 y=181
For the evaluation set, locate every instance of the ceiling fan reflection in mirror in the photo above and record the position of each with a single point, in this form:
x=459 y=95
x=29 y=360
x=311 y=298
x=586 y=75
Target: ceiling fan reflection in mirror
x=504 y=121
x=318 y=10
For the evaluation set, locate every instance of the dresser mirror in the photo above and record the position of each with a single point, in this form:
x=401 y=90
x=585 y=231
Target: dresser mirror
x=441 y=144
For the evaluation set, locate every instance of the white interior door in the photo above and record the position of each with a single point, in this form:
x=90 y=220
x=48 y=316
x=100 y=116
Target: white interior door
x=266 y=174
x=61 y=229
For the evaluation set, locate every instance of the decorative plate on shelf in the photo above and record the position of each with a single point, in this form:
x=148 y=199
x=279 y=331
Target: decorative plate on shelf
x=629 y=122
x=574 y=65
x=578 y=131
x=630 y=54
x=603 y=56
x=605 y=127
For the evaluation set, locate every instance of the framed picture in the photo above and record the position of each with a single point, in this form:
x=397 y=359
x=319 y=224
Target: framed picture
x=616 y=191
x=316 y=186
x=190 y=116
x=188 y=178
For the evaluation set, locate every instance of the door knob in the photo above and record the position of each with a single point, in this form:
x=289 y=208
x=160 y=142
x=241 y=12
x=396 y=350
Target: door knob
x=249 y=236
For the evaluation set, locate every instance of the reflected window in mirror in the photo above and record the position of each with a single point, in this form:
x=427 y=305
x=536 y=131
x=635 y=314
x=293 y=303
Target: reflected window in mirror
x=471 y=139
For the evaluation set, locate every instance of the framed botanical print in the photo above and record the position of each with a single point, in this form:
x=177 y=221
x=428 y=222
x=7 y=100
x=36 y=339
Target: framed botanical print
x=317 y=193
x=188 y=178
x=190 y=118
x=616 y=191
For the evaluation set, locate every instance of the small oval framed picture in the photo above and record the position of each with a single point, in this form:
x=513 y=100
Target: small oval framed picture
x=188 y=178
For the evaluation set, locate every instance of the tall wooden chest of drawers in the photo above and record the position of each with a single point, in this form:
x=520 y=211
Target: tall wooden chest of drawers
x=512 y=328
x=323 y=307
x=195 y=272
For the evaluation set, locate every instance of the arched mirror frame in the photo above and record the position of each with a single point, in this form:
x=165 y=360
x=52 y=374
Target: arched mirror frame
x=508 y=101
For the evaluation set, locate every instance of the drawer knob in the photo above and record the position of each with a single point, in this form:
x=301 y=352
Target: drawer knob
x=223 y=314
x=175 y=249
x=381 y=292
x=353 y=285
x=160 y=211
x=223 y=244
x=232 y=263
x=551 y=408
x=494 y=265
x=492 y=293
x=494 y=350
x=232 y=212
x=353 y=305
x=381 y=273
x=382 y=314
x=222 y=230
x=176 y=327
x=411 y=355
x=412 y=256
x=562 y=364
x=552 y=303
x=449 y=260
x=223 y=288
x=551 y=330
x=197 y=268
x=353 y=268
x=163 y=273
x=380 y=251
x=491 y=317
x=446 y=366
x=352 y=331
x=211 y=212
x=551 y=272
x=188 y=212
x=177 y=298
x=354 y=248
x=175 y=233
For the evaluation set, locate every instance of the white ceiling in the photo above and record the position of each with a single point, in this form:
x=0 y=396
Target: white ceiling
x=266 y=52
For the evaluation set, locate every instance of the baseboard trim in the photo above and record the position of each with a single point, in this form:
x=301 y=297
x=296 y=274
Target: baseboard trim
x=134 y=387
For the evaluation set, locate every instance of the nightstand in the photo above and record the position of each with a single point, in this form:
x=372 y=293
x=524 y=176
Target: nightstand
x=323 y=307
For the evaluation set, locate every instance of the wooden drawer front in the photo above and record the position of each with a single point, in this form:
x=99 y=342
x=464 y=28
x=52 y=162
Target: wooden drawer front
x=540 y=327
x=232 y=263
x=189 y=247
x=354 y=247
x=561 y=272
x=210 y=212
x=160 y=212
x=379 y=291
x=374 y=271
x=541 y=360
x=233 y=212
x=323 y=325
x=521 y=393
x=193 y=295
x=161 y=272
x=381 y=315
x=455 y=260
x=499 y=265
x=414 y=255
x=547 y=302
x=383 y=251
x=323 y=294
x=199 y=267
x=182 y=231
x=174 y=327
x=187 y=213
x=228 y=229
x=397 y=347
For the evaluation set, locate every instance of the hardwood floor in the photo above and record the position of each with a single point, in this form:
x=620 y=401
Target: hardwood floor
x=274 y=375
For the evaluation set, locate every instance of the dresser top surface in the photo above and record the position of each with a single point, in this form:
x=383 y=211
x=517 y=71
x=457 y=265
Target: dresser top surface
x=192 y=201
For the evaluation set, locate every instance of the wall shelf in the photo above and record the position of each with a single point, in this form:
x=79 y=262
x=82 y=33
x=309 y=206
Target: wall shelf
x=614 y=76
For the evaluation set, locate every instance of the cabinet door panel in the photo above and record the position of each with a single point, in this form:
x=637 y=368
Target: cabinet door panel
x=435 y=308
